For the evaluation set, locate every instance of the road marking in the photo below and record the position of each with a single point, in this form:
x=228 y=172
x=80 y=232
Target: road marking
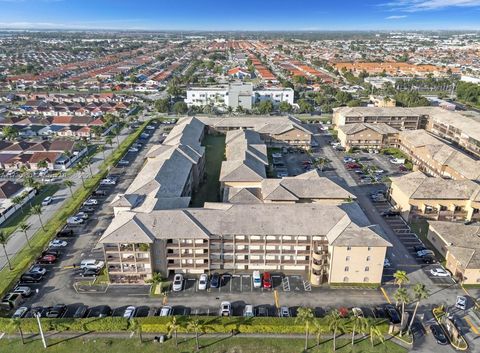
x=472 y=326
x=385 y=295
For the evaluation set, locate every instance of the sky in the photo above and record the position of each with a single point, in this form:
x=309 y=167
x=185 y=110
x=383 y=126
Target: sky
x=264 y=15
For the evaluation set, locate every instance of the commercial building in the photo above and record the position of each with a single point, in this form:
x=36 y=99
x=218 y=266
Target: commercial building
x=419 y=196
x=436 y=157
x=367 y=136
x=459 y=244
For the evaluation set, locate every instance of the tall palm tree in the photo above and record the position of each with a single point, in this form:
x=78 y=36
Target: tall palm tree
x=37 y=210
x=420 y=292
x=155 y=280
x=80 y=168
x=359 y=324
x=116 y=131
x=109 y=141
x=3 y=241
x=319 y=330
x=335 y=324
x=375 y=332
x=88 y=163
x=101 y=148
x=196 y=326
x=305 y=316
x=17 y=325
x=136 y=327
x=18 y=200
x=401 y=296
x=172 y=327
x=24 y=227
x=401 y=278
x=69 y=184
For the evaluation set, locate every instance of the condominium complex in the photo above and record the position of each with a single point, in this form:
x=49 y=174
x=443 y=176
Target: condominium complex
x=367 y=135
x=305 y=224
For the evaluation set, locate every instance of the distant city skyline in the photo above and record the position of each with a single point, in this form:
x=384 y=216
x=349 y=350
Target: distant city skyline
x=300 y=15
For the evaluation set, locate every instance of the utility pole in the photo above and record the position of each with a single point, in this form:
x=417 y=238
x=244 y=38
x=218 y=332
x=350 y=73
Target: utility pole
x=37 y=315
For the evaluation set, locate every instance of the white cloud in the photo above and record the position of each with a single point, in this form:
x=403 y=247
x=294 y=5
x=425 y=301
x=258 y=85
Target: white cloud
x=395 y=17
x=427 y=5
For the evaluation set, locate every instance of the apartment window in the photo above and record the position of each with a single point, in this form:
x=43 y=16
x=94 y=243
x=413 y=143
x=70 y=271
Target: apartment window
x=345 y=279
x=347 y=268
x=368 y=258
x=369 y=248
x=366 y=280
x=367 y=268
x=347 y=258
x=349 y=248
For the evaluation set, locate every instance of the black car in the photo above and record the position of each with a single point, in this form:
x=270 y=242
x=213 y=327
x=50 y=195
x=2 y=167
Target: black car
x=80 y=312
x=56 y=311
x=380 y=313
x=390 y=213
x=428 y=259
x=419 y=248
x=65 y=232
x=100 y=193
x=393 y=314
x=100 y=311
x=31 y=278
x=90 y=272
x=215 y=280
x=87 y=209
x=53 y=252
x=438 y=334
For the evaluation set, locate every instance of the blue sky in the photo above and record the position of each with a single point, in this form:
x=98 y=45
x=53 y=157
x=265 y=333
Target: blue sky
x=241 y=15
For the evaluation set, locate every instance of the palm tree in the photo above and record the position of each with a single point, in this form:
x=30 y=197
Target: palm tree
x=69 y=184
x=375 y=333
x=3 y=241
x=319 y=330
x=172 y=327
x=42 y=164
x=116 y=131
x=101 y=148
x=195 y=326
x=401 y=278
x=359 y=324
x=401 y=296
x=18 y=200
x=335 y=324
x=37 y=210
x=420 y=292
x=88 y=163
x=109 y=141
x=155 y=280
x=17 y=325
x=136 y=327
x=305 y=316
x=321 y=162
x=80 y=167
x=24 y=227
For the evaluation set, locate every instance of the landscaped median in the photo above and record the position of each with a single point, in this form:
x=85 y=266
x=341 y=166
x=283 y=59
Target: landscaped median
x=451 y=331
x=23 y=259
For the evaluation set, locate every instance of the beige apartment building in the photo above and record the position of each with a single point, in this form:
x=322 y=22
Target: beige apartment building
x=459 y=244
x=436 y=157
x=419 y=196
x=367 y=136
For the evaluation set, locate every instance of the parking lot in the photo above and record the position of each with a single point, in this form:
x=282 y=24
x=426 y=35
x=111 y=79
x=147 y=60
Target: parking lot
x=290 y=162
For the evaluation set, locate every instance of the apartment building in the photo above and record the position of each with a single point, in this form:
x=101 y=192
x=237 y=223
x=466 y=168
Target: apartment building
x=419 y=196
x=436 y=157
x=330 y=243
x=276 y=95
x=367 y=136
x=459 y=244
x=398 y=118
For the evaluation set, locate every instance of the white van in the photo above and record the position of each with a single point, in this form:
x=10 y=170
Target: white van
x=257 y=279
x=91 y=264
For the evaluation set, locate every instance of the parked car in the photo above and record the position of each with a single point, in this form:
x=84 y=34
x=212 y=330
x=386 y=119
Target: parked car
x=267 y=280
x=397 y=160
x=390 y=213
x=257 y=279
x=57 y=243
x=177 y=285
x=99 y=192
x=25 y=291
x=461 y=302
x=357 y=312
x=90 y=202
x=87 y=209
x=129 y=312
x=82 y=215
x=225 y=309
x=248 y=311
x=262 y=311
x=92 y=264
x=203 y=281
x=392 y=314
x=47 y=259
x=65 y=232
x=166 y=311
x=123 y=162
x=47 y=201
x=74 y=220
x=380 y=312
x=100 y=311
x=428 y=259
x=20 y=312
x=425 y=252
x=37 y=270
x=57 y=311
x=89 y=272
x=31 y=278
x=133 y=149
x=284 y=312
x=418 y=248
x=215 y=280
x=386 y=263
x=439 y=272
x=107 y=181
x=80 y=312
x=439 y=335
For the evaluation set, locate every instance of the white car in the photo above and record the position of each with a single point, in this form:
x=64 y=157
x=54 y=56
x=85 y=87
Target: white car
x=257 y=279
x=284 y=312
x=276 y=155
x=357 y=312
x=461 y=302
x=82 y=215
x=107 y=182
x=133 y=149
x=74 y=220
x=203 y=281
x=177 y=285
x=57 y=243
x=166 y=311
x=386 y=263
x=439 y=272
x=123 y=162
x=47 y=201
x=129 y=312
x=20 y=312
x=150 y=127
x=225 y=309
x=37 y=270
x=91 y=264
x=248 y=311
x=90 y=202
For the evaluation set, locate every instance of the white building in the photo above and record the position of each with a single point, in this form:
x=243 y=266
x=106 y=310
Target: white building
x=275 y=95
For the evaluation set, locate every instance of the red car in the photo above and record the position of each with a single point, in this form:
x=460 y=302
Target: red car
x=267 y=280
x=352 y=165
x=47 y=259
x=402 y=168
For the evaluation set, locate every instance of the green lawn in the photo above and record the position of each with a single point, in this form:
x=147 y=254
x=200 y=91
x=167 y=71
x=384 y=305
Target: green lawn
x=209 y=191
x=21 y=215
x=209 y=345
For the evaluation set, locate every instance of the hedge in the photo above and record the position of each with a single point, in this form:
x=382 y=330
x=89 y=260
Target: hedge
x=267 y=325
x=24 y=258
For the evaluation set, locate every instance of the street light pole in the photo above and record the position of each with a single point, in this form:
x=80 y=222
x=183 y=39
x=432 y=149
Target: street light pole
x=37 y=315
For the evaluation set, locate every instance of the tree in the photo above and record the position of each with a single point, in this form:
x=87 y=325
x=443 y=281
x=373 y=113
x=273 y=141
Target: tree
x=24 y=227
x=401 y=278
x=401 y=296
x=321 y=162
x=101 y=148
x=109 y=141
x=17 y=326
x=18 y=200
x=69 y=184
x=116 y=131
x=359 y=324
x=335 y=324
x=343 y=97
x=305 y=316
x=420 y=292
x=285 y=107
x=305 y=106
x=162 y=105
x=180 y=108
x=172 y=327
x=42 y=164
x=3 y=241
x=88 y=162
x=37 y=210
x=80 y=168
x=375 y=332
x=265 y=107
x=136 y=327
x=319 y=330
x=195 y=326
x=9 y=132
